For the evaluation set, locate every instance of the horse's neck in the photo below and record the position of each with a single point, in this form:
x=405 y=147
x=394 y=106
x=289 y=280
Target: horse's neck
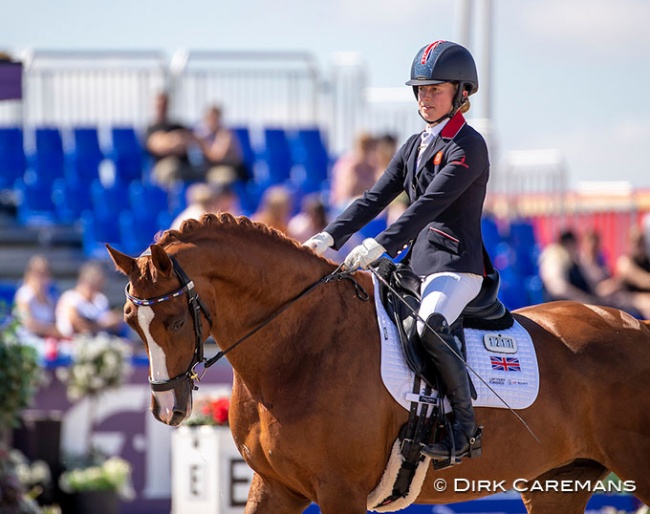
x=264 y=284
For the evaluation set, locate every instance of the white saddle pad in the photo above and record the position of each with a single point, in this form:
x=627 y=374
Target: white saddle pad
x=504 y=359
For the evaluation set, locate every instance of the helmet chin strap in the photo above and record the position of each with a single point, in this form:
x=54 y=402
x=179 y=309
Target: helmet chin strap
x=442 y=118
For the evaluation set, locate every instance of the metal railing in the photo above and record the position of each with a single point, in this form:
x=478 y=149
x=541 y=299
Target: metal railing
x=256 y=89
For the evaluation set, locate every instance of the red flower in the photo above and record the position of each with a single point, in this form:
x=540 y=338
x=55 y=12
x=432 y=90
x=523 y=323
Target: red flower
x=219 y=409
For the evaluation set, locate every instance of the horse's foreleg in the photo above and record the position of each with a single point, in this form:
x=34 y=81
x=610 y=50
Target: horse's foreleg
x=550 y=501
x=265 y=497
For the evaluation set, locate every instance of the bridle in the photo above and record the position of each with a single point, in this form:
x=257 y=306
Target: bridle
x=197 y=306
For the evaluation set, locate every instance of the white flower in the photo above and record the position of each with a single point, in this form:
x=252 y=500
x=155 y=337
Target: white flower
x=99 y=363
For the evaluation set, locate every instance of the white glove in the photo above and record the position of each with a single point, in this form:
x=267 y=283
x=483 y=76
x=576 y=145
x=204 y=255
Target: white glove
x=363 y=255
x=320 y=242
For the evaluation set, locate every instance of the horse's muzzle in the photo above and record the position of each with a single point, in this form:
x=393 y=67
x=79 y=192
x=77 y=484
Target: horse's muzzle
x=170 y=407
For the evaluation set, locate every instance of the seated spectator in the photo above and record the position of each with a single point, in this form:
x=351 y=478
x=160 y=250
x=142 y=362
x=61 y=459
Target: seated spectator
x=222 y=153
x=202 y=198
x=565 y=277
x=36 y=300
x=594 y=267
x=354 y=172
x=170 y=144
x=275 y=208
x=85 y=308
x=311 y=219
x=386 y=146
x=633 y=268
x=561 y=272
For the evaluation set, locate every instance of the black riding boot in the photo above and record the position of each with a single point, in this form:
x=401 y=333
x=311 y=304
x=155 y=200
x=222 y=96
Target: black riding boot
x=465 y=439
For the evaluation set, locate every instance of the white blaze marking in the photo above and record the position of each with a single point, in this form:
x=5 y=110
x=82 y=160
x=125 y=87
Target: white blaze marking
x=156 y=354
x=157 y=365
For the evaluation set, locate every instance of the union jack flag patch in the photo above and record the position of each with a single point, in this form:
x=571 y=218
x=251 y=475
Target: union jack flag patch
x=505 y=363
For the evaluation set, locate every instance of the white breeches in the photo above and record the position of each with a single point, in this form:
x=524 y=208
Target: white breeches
x=447 y=293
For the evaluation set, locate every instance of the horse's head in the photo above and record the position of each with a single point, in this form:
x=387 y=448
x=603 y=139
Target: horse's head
x=164 y=309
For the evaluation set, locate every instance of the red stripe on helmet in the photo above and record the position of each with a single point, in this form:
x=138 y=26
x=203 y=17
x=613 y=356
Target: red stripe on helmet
x=429 y=49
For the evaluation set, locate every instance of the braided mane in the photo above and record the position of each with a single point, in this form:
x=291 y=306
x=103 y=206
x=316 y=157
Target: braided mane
x=211 y=223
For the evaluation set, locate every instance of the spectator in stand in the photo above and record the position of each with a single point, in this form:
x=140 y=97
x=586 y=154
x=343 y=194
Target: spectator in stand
x=311 y=219
x=36 y=300
x=85 y=308
x=170 y=144
x=275 y=208
x=561 y=272
x=221 y=150
x=633 y=272
x=202 y=198
x=568 y=274
x=633 y=268
x=594 y=266
x=386 y=146
x=354 y=173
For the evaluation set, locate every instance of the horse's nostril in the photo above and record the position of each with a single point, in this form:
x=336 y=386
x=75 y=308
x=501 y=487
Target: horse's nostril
x=178 y=415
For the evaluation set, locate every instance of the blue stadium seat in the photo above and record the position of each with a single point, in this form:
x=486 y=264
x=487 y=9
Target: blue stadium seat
x=35 y=205
x=276 y=155
x=308 y=150
x=244 y=138
x=110 y=200
x=7 y=293
x=177 y=197
x=147 y=199
x=491 y=236
x=82 y=161
x=136 y=231
x=373 y=228
x=71 y=199
x=96 y=232
x=127 y=154
x=47 y=161
x=522 y=240
x=12 y=156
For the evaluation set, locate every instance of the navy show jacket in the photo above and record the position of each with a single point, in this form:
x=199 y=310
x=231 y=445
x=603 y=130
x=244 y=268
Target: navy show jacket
x=446 y=193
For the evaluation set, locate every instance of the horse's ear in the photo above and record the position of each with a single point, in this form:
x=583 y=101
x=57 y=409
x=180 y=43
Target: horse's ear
x=123 y=262
x=161 y=260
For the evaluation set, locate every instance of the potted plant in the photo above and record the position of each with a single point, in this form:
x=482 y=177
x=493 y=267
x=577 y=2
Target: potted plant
x=19 y=380
x=98 y=488
x=94 y=483
x=19 y=375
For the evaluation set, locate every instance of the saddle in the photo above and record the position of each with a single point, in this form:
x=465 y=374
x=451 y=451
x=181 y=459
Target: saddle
x=427 y=420
x=485 y=311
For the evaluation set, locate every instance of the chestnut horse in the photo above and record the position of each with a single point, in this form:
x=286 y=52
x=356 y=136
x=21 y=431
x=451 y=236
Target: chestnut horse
x=310 y=413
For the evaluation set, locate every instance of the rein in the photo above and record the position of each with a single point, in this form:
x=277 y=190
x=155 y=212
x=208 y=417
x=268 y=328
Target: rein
x=198 y=307
x=338 y=274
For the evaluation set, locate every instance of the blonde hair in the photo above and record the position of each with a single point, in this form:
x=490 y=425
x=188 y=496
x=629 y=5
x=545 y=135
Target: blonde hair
x=466 y=104
x=464 y=107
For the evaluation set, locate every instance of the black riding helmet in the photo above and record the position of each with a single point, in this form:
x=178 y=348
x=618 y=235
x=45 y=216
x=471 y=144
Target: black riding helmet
x=444 y=61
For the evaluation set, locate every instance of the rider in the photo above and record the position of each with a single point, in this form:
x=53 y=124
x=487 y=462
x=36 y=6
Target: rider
x=444 y=170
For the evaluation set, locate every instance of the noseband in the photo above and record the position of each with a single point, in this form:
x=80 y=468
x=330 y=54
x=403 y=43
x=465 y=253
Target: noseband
x=197 y=306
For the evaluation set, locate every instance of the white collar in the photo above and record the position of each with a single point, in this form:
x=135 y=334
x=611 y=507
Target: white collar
x=435 y=130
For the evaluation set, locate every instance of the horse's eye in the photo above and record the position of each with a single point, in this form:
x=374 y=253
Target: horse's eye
x=177 y=325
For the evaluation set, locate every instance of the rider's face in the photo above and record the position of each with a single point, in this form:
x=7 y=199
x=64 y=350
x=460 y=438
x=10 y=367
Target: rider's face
x=436 y=100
